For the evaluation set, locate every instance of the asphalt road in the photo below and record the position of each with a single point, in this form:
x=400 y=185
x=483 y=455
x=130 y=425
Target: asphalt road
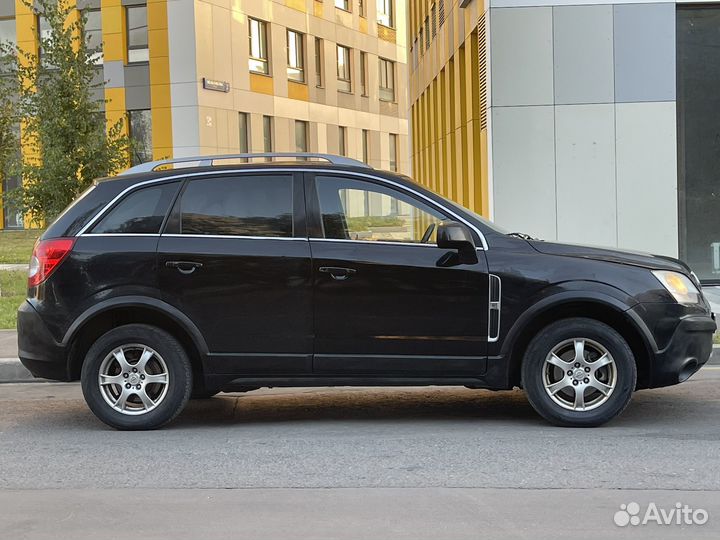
x=415 y=463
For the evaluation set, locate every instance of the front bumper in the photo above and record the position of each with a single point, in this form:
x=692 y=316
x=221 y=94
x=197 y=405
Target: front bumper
x=688 y=350
x=38 y=351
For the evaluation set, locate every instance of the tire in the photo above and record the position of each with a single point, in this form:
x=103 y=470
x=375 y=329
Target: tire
x=117 y=357
x=584 y=395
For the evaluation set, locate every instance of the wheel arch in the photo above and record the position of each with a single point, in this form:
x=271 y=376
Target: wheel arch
x=604 y=308
x=126 y=310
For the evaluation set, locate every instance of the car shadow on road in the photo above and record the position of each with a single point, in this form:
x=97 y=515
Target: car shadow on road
x=358 y=405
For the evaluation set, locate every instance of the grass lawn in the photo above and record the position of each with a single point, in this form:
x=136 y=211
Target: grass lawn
x=16 y=246
x=13 y=288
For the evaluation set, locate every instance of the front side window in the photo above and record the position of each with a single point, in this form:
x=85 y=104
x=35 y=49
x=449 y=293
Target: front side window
x=238 y=206
x=93 y=35
x=141 y=212
x=343 y=69
x=358 y=210
x=137 y=34
x=385 y=14
x=140 y=127
x=258 y=61
x=387 y=79
x=296 y=56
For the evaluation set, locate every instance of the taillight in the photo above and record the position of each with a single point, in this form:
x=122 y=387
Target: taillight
x=46 y=257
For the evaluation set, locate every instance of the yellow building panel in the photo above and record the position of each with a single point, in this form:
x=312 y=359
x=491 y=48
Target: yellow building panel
x=261 y=83
x=160 y=70
x=363 y=25
x=158 y=43
x=298 y=91
x=387 y=34
x=160 y=95
x=296 y=4
x=318 y=8
x=157 y=14
x=112 y=19
x=162 y=131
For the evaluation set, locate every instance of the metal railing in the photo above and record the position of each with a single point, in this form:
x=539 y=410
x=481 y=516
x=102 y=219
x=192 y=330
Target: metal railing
x=208 y=161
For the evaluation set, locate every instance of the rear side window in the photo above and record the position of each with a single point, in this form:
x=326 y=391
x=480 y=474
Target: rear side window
x=244 y=205
x=141 y=212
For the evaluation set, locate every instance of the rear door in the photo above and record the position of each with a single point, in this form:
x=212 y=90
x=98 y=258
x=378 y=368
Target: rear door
x=234 y=257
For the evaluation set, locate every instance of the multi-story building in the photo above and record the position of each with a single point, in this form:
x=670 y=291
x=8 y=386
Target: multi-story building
x=206 y=77
x=580 y=121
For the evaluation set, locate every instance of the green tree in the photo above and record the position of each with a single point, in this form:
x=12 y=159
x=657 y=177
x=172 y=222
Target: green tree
x=66 y=141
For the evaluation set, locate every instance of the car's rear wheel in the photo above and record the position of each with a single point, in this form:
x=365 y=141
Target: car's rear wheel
x=136 y=377
x=579 y=372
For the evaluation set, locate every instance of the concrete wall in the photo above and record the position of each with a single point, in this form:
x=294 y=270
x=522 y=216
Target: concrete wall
x=583 y=125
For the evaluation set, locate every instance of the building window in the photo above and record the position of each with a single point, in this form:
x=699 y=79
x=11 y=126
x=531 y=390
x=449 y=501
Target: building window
x=361 y=8
x=301 y=136
x=414 y=54
x=442 y=12
x=93 y=35
x=140 y=127
x=244 y=131
x=258 y=61
x=343 y=4
x=698 y=121
x=387 y=80
x=427 y=32
x=137 y=34
x=433 y=16
x=393 y=152
x=365 y=146
x=342 y=140
x=422 y=49
x=44 y=34
x=267 y=134
x=318 y=62
x=363 y=74
x=296 y=56
x=7 y=35
x=385 y=13
x=343 y=69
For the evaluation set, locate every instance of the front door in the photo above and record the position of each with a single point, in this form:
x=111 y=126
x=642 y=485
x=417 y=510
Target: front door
x=235 y=258
x=386 y=300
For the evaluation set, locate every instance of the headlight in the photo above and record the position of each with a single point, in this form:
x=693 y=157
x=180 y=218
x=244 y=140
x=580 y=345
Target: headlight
x=679 y=285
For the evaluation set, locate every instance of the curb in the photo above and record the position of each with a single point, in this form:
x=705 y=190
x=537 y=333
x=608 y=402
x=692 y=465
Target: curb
x=11 y=370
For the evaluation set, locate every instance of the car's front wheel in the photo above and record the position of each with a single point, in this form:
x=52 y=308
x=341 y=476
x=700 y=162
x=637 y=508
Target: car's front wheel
x=579 y=372
x=136 y=377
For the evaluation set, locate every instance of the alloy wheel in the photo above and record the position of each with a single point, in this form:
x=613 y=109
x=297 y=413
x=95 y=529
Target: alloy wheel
x=579 y=374
x=133 y=379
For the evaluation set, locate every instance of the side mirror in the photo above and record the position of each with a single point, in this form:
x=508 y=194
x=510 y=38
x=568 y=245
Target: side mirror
x=453 y=235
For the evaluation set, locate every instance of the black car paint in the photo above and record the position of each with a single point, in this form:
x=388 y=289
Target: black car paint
x=260 y=311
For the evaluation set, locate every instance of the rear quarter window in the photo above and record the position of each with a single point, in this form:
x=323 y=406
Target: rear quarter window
x=140 y=212
x=82 y=210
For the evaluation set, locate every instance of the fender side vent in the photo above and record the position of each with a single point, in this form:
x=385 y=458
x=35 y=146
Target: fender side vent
x=494 y=304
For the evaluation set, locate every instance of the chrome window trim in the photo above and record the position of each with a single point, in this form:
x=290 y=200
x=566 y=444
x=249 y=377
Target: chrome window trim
x=121 y=234
x=235 y=236
x=374 y=242
x=333 y=172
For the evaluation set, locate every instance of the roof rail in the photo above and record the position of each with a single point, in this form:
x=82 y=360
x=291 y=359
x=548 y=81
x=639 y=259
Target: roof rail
x=207 y=161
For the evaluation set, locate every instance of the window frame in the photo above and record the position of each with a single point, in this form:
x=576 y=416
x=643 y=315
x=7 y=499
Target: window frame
x=364 y=82
x=306 y=130
x=386 y=70
x=129 y=47
x=264 y=61
x=344 y=83
x=346 y=5
x=300 y=56
x=319 y=62
x=98 y=57
x=388 y=11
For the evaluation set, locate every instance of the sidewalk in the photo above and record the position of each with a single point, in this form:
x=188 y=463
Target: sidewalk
x=11 y=370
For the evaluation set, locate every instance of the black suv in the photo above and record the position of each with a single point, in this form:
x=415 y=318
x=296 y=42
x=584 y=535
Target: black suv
x=157 y=286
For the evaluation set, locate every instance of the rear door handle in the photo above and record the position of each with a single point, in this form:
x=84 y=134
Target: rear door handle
x=338 y=273
x=184 y=267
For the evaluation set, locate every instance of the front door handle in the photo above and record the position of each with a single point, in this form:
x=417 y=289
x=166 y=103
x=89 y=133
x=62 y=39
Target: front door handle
x=338 y=273
x=184 y=267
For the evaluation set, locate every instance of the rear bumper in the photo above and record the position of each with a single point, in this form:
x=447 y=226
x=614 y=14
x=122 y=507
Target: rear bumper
x=687 y=351
x=38 y=351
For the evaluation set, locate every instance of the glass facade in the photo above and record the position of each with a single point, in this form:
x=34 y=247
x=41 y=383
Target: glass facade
x=698 y=112
x=137 y=34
